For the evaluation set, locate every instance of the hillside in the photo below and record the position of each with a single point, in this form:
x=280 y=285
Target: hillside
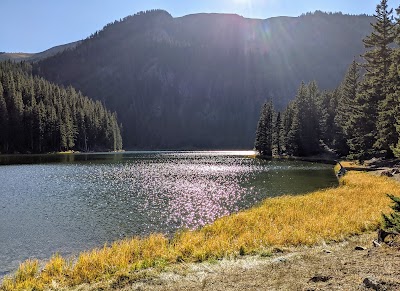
x=34 y=57
x=37 y=116
x=198 y=81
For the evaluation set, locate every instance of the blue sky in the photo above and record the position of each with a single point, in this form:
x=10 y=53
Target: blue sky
x=36 y=25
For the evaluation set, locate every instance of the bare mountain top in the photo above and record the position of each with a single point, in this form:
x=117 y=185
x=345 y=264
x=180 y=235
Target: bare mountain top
x=35 y=57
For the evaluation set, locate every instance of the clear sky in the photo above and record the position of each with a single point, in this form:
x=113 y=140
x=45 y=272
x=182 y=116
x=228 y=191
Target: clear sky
x=36 y=25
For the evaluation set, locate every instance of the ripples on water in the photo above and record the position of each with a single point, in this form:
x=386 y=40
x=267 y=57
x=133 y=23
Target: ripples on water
x=92 y=199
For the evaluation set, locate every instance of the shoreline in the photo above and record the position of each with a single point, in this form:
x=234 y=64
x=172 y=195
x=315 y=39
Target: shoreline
x=312 y=159
x=229 y=237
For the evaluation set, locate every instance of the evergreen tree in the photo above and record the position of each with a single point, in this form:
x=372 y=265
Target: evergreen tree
x=388 y=136
x=346 y=108
x=376 y=82
x=327 y=108
x=277 y=135
x=286 y=126
x=293 y=134
x=394 y=96
x=304 y=133
x=311 y=120
x=263 y=143
x=118 y=134
x=15 y=113
x=40 y=126
x=362 y=127
x=391 y=222
x=3 y=122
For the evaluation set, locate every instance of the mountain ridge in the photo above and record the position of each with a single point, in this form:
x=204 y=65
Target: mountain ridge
x=34 y=57
x=203 y=77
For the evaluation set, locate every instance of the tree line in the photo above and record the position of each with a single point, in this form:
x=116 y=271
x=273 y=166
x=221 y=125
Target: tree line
x=360 y=119
x=37 y=116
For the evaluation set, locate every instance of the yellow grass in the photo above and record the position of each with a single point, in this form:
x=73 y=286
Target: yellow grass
x=327 y=215
x=67 y=152
x=351 y=165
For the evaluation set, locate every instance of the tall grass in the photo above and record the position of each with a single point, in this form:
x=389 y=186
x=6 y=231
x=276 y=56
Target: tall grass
x=327 y=215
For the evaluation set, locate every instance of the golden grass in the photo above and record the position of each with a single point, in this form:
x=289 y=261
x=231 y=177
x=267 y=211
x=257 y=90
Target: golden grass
x=351 y=164
x=67 y=152
x=327 y=215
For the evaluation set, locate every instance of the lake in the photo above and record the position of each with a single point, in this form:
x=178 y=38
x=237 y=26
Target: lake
x=74 y=202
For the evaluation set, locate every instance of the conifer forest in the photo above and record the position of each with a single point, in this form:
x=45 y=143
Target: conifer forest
x=37 y=116
x=359 y=119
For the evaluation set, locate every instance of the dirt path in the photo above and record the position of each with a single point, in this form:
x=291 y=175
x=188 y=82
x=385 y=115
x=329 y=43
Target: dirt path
x=336 y=266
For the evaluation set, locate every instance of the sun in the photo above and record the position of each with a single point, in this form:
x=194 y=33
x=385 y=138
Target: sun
x=242 y=2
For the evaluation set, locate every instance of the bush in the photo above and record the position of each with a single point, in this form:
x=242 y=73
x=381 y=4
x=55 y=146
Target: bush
x=391 y=222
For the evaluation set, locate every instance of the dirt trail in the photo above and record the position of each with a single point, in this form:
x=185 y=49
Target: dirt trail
x=336 y=266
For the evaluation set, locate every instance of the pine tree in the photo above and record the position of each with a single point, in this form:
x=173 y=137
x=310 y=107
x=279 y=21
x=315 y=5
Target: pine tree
x=304 y=133
x=50 y=130
x=293 y=134
x=327 y=107
x=15 y=113
x=388 y=136
x=378 y=56
x=376 y=82
x=286 y=126
x=349 y=91
x=311 y=121
x=362 y=127
x=3 y=122
x=346 y=108
x=391 y=222
x=118 y=134
x=263 y=143
x=394 y=76
x=39 y=126
x=277 y=135
x=82 y=137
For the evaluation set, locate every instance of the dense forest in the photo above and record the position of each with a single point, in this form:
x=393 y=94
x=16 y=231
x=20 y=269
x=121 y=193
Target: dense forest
x=359 y=119
x=37 y=116
x=199 y=80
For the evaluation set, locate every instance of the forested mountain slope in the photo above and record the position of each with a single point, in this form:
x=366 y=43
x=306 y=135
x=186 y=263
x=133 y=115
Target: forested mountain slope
x=37 y=116
x=198 y=81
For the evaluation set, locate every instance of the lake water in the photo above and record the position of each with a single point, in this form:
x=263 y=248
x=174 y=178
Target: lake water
x=70 y=203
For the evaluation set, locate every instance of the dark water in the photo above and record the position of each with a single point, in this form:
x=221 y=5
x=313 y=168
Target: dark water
x=69 y=203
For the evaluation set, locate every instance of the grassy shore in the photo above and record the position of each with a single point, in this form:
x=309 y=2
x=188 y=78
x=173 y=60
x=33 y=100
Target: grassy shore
x=327 y=215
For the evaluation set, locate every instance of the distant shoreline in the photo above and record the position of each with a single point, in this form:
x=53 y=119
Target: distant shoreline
x=315 y=159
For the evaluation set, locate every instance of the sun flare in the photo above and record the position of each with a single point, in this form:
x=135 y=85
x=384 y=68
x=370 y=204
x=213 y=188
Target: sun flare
x=242 y=2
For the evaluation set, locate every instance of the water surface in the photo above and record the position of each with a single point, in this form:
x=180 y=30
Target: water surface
x=70 y=203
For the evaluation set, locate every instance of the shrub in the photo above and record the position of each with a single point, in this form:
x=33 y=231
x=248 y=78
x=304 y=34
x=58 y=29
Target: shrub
x=391 y=221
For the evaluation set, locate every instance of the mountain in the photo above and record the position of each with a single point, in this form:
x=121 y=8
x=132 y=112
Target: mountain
x=198 y=81
x=34 y=57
